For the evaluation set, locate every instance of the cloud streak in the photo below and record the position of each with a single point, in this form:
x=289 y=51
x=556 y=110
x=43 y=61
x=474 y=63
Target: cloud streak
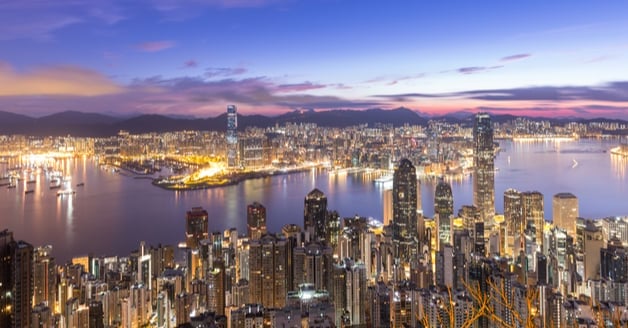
x=610 y=92
x=155 y=46
x=213 y=72
x=514 y=57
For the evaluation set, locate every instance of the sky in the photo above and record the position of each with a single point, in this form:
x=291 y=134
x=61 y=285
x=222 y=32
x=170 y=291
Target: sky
x=194 y=57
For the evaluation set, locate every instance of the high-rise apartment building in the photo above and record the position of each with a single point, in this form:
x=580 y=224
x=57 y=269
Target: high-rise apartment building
x=565 y=212
x=268 y=271
x=196 y=227
x=404 y=210
x=256 y=220
x=484 y=167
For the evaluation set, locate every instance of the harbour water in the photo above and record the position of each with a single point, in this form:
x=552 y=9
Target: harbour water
x=111 y=213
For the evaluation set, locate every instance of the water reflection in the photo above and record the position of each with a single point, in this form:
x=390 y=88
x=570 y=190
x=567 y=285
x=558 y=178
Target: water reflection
x=114 y=207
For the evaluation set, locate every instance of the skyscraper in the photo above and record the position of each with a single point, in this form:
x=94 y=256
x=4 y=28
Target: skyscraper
x=444 y=210
x=515 y=222
x=565 y=212
x=16 y=281
x=533 y=213
x=256 y=220
x=268 y=263
x=484 y=167
x=314 y=215
x=196 y=226
x=388 y=208
x=404 y=210
x=232 y=136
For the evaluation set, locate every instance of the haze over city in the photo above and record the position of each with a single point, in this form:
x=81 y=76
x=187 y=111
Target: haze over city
x=191 y=58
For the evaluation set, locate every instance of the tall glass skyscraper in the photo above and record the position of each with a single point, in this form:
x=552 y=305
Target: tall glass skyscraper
x=404 y=210
x=444 y=208
x=232 y=136
x=484 y=167
x=315 y=215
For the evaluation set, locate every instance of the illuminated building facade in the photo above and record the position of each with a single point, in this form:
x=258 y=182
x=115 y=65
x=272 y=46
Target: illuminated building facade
x=232 y=136
x=533 y=212
x=513 y=217
x=484 y=167
x=315 y=215
x=256 y=220
x=444 y=210
x=404 y=210
x=565 y=211
x=196 y=227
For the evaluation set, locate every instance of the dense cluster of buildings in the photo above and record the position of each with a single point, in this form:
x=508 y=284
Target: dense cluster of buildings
x=470 y=268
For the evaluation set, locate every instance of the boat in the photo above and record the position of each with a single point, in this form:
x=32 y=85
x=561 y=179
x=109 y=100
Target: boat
x=29 y=192
x=65 y=192
x=31 y=181
x=575 y=163
x=80 y=184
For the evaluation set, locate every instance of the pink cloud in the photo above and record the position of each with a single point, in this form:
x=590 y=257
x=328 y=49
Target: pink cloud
x=155 y=46
x=190 y=63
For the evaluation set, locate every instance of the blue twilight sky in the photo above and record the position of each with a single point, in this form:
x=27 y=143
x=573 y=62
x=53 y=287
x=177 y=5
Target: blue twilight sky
x=192 y=57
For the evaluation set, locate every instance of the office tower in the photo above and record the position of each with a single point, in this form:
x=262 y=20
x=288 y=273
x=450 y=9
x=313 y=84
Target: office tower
x=388 y=206
x=268 y=271
x=515 y=222
x=315 y=215
x=349 y=293
x=565 y=212
x=404 y=211
x=196 y=226
x=533 y=213
x=16 y=281
x=44 y=277
x=470 y=215
x=232 y=136
x=484 y=167
x=463 y=248
x=256 y=220
x=443 y=210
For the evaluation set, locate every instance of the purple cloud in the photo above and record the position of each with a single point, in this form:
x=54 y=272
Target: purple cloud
x=476 y=69
x=155 y=46
x=191 y=63
x=611 y=92
x=514 y=57
x=212 y=72
x=298 y=87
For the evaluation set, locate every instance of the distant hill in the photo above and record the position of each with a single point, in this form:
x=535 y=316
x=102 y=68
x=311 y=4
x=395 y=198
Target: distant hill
x=99 y=125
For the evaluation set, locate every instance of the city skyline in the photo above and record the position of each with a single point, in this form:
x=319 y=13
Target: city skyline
x=192 y=58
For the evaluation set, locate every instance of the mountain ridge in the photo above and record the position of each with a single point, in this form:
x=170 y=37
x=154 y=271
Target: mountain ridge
x=83 y=124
